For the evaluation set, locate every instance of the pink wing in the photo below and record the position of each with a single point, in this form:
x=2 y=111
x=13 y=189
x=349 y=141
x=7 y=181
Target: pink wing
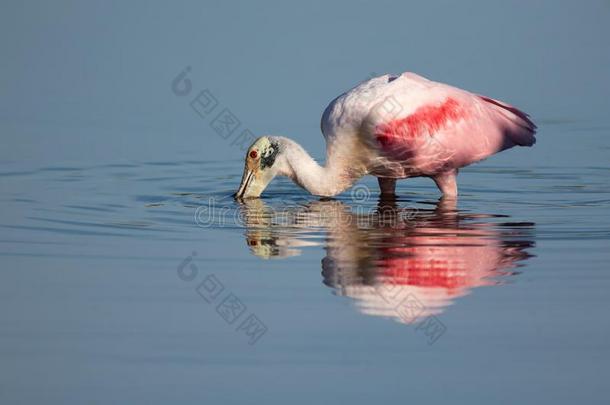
x=420 y=127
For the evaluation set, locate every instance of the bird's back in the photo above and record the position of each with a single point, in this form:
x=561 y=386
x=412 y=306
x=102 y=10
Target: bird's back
x=408 y=126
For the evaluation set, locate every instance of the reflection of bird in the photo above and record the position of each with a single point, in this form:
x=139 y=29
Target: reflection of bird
x=392 y=127
x=263 y=225
x=399 y=263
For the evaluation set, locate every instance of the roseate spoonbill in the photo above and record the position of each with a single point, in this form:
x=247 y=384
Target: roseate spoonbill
x=392 y=127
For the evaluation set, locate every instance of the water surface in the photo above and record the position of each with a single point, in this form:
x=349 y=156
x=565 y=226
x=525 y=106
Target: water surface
x=356 y=298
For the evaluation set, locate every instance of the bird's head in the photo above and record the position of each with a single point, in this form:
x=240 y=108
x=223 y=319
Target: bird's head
x=262 y=164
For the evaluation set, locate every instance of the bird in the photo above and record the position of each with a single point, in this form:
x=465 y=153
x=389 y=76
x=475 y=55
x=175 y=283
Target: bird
x=392 y=127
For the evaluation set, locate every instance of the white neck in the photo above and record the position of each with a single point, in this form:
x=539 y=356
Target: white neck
x=328 y=180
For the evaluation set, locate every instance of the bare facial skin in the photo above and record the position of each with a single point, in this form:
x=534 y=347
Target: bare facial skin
x=258 y=168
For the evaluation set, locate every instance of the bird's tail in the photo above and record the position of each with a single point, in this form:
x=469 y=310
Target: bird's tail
x=521 y=128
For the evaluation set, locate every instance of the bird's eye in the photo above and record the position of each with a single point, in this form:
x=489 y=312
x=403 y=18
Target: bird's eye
x=253 y=154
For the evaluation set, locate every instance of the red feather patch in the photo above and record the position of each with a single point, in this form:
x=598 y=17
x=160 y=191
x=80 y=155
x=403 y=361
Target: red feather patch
x=425 y=120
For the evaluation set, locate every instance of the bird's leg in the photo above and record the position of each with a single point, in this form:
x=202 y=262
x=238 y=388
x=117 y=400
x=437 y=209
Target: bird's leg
x=387 y=186
x=447 y=183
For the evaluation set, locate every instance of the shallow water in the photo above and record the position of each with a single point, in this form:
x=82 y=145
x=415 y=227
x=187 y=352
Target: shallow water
x=146 y=281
